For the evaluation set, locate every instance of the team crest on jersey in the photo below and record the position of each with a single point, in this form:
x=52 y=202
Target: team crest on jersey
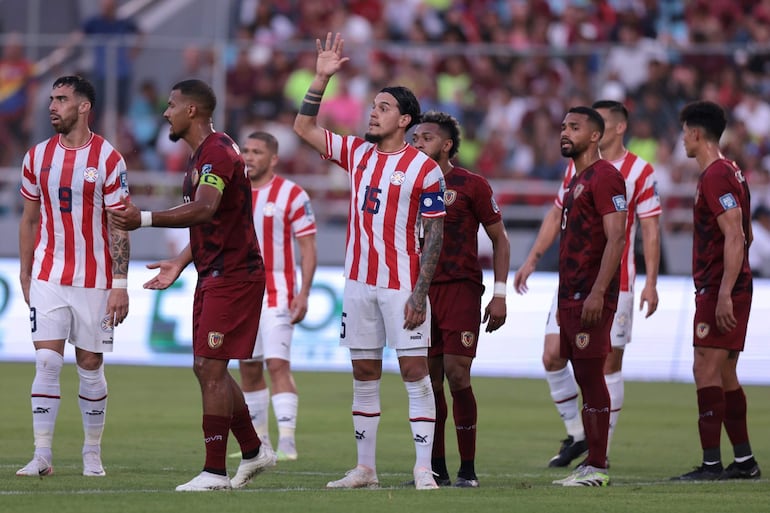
x=468 y=338
x=206 y=169
x=702 y=330
x=450 y=196
x=269 y=209
x=582 y=340
x=216 y=339
x=90 y=174
x=397 y=178
x=578 y=190
x=106 y=324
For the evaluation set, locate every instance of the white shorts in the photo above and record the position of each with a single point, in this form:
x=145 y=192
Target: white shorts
x=620 y=335
x=274 y=335
x=373 y=317
x=77 y=314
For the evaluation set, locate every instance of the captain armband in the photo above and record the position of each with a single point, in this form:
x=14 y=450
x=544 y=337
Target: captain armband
x=214 y=181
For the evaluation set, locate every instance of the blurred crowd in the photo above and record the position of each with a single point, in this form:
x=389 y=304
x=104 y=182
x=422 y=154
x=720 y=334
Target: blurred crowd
x=507 y=69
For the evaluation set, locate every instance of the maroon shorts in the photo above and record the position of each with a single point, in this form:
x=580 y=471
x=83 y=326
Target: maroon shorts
x=226 y=317
x=705 y=331
x=579 y=342
x=455 y=318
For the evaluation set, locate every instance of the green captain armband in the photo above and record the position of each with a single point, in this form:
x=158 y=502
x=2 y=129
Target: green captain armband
x=214 y=181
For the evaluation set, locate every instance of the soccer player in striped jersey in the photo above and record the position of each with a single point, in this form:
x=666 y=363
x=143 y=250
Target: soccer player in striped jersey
x=394 y=188
x=644 y=205
x=223 y=246
x=74 y=267
x=282 y=216
x=456 y=290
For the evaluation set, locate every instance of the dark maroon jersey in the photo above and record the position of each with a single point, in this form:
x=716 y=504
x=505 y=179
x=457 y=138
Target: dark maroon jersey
x=721 y=187
x=227 y=245
x=469 y=203
x=599 y=190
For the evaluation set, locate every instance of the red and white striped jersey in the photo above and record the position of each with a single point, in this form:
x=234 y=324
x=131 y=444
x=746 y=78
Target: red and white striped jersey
x=388 y=194
x=643 y=201
x=74 y=187
x=282 y=211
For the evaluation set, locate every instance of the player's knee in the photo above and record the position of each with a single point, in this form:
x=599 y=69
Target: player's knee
x=553 y=362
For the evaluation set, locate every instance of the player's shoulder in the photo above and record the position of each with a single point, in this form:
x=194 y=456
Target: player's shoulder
x=603 y=167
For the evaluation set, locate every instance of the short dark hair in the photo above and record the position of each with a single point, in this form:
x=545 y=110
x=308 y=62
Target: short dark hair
x=80 y=85
x=407 y=102
x=199 y=92
x=613 y=106
x=268 y=139
x=706 y=115
x=448 y=124
x=593 y=116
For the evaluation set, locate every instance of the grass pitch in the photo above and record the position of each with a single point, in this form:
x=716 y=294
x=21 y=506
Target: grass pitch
x=153 y=442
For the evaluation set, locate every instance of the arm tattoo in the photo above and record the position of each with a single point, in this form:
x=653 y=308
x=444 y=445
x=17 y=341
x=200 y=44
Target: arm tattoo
x=120 y=250
x=434 y=237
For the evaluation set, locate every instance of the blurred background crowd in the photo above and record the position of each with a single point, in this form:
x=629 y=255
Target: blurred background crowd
x=507 y=69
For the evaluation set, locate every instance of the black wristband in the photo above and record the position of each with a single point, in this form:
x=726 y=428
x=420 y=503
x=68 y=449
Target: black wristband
x=309 y=109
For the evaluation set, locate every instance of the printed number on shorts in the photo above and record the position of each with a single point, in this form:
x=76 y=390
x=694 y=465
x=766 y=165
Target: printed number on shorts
x=33 y=318
x=371 y=204
x=65 y=199
x=342 y=325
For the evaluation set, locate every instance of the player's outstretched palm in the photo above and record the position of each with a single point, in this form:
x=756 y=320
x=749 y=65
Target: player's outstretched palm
x=330 y=58
x=168 y=272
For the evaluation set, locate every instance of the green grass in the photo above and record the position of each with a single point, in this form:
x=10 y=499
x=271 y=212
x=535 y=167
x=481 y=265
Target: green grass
x=153 y=442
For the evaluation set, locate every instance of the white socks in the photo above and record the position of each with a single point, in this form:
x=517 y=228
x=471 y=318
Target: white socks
x=92 y=398
x=564 y=393
x=422 y=419
x=258 y=402
x=617 y=394
x=366 y=419
x=285 y=408
x=45 y=399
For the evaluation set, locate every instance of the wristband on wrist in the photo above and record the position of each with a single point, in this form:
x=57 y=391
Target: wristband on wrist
x=499 y=289
x=119 y=283
x=146 y=218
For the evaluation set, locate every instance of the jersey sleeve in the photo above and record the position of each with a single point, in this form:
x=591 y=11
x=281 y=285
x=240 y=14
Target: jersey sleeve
x=568 y=173
x=610 y=193
x=432 y=195
x=216 y=167
x=648 y=200
x=483 y=203
x=29 y=185
x=301 y=215
x=116 y=181
x=721 y=190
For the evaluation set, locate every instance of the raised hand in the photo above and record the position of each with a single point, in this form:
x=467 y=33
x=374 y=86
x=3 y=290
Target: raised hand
x=330 y=58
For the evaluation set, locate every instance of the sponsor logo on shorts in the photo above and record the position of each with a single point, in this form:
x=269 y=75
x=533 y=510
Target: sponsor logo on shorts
x=468 y=338
x=622 y=319
x=582 y=340
x=397 y=178
x=106 y=324
x=449 y=196
x=216 y=339
x=702 y=330
x=417 y=336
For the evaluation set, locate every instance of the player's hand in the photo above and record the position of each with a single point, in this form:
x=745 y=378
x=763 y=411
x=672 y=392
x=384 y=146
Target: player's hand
x=298 y=308
x=330 y=58
x=724 y=314
x=168 y=272
x=128 y=218
x=495 y=313
x=520 y=278
x=414 y=312
x=117 y=306
x=649 y=296
x=592 y=310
